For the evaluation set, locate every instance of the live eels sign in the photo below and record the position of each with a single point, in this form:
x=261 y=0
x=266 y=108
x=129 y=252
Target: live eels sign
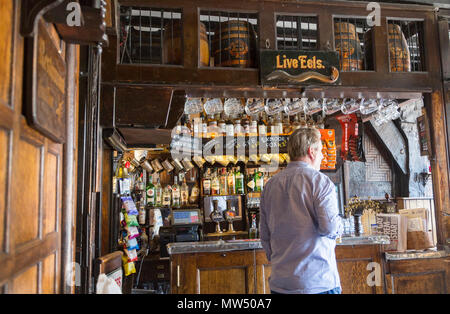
x=299 y=67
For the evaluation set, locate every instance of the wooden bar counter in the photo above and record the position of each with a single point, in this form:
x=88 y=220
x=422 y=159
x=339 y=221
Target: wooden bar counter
x=241 y=266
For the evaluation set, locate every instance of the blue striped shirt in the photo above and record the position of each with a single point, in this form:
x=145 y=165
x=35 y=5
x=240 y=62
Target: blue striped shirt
x=299 y=224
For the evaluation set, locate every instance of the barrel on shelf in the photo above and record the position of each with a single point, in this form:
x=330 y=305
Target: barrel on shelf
x=347 y=43
x=234 y=44
x=399 y=56
x=173 y=43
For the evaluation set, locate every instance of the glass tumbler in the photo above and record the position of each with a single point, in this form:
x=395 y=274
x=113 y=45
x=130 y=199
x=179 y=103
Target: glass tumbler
x=213 y=106
x=232 y=106
x=349 y=105
x=193 y=106
x=254 y=106
x=368 y=106
x=273 y=106
x=313 y=106
x=330 y=105
x=294 y=106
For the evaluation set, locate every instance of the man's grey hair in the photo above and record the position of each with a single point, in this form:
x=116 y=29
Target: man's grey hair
x=301 y=140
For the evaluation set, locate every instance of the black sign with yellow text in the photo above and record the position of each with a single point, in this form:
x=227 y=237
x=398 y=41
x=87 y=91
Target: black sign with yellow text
x=299 y=67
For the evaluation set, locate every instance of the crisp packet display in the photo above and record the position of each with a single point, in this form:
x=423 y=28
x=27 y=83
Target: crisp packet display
x=328 y=149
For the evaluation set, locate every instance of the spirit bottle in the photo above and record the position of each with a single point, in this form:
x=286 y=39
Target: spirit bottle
x=150 y=192
x=259 y=180
x=262 y=128
x=229 y=127
x=223 y=182
x=238 y=129
x=207 y=182
x=253 y=231
x=222 y=126
x=251 y=180
x=176 y=195
x=231 y=183
x=167 y=196
x=215 y=184
x=184 y=193
x=239 y=177
x=158 y=193
x=193 y=199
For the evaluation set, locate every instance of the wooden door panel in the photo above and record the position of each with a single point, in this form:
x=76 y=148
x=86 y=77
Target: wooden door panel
x=353 y=275
x=421 y=283
x=26 y=192
x=31 y=170
x=225 y=280
x=49 y=268
x=26 y=282
x=6 y=35
x=51 y=193
x=4 y=161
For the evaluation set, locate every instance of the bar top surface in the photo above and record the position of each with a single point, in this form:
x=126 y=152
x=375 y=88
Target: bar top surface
x=251 y=244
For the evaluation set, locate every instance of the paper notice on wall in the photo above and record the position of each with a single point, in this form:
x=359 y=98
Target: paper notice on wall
x=422 y=213
x=394 y=226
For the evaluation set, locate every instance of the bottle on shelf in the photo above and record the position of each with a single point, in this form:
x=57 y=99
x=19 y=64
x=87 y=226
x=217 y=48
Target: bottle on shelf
x=287 y=126
x=253 y=230
x=259 y=180
x=176 y=195
x=206 y=183
x=238 y=129
x=239 y=177
x=231 y=182
x=253 y=128
x=278 y=125
x=222 y=126
x=262 y=128
x=195 y=192
x=184 y=193
x=245 y=125
x=158 y=193
x=142 y=215
x=167 y=196
x=223 y=182
x=251 y=180
x=203 y=125
x=150 y=192
x=229 y=127
x=215 y=184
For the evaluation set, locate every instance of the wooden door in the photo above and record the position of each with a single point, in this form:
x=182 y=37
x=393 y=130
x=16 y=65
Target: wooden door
x=31 y=168
x=213 y=273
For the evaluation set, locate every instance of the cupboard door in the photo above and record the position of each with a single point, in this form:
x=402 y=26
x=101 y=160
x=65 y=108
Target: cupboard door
x=225 y=273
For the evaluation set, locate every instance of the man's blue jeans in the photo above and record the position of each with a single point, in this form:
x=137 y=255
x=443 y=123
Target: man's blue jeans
x=336 y=290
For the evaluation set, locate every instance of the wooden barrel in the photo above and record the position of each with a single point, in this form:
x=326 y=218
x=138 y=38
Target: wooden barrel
x=173 y=44
x=234 y=44
x=347 y=43
x=399 y=56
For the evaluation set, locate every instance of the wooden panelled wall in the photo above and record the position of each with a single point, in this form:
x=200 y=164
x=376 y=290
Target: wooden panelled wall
x=32 y=170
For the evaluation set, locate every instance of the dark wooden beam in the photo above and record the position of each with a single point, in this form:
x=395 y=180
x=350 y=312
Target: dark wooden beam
x=31 y=11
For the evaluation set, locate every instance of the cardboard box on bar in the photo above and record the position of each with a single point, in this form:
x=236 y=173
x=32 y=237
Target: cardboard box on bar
x=395 y=226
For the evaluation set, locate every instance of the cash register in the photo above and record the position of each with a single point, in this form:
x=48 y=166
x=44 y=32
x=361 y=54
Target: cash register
x=184 y=228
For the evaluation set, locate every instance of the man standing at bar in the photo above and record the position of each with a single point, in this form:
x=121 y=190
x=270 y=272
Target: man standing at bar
x=299 y=221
